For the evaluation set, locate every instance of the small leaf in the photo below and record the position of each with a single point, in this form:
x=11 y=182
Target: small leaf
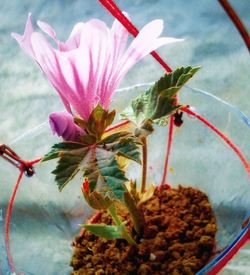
x=88 y=139
x=99 y=120
x=97 y=201
x=136 y=213
x=148 y=194
x=123 y=144
x=110 y=118
x=159 y=101
x=108 y=232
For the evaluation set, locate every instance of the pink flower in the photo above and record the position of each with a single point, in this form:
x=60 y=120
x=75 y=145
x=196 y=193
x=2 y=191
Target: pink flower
x=63 y=125
x=87 y=68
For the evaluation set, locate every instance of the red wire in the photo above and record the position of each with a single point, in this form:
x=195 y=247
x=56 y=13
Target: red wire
x=236 y=21
x=10 y=207
x=224 y=137
x=111 y=6
x=8 y=218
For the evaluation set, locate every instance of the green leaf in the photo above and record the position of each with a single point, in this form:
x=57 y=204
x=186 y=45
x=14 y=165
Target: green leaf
x=129 y=149
x=108 y=232
x=99 y=120
x=97 y=162
x=59 y=149
x=159 y=101
x=110 y=172
x=123 y=144
x=135 y=212
x=94 y=156
x=71 y=156
x=105 y=167
x=97 y=201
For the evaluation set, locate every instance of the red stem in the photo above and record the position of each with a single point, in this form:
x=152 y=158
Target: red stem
x=122 y=123
x=35 y=161
x=236 y=21
x=169 y=146
x=224 y=137
x=8 y=218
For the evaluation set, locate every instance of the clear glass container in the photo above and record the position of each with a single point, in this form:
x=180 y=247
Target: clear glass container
x=45 y=221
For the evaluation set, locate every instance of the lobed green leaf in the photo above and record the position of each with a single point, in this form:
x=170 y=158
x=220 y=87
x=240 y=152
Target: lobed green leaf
x=159 y=101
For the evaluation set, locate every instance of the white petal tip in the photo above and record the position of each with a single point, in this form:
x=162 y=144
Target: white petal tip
x=40 y=23
x=16 y=36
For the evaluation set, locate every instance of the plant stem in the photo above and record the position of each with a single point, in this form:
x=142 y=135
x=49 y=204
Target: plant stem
x=136 y=213
x=144 y=164
x=169 y=147
x=113 y=213
x=120 y=124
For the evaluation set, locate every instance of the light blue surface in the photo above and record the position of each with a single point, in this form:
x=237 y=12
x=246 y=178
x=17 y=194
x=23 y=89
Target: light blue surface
x=27 y=98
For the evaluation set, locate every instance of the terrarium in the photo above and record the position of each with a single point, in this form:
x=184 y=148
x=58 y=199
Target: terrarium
x=150 y=178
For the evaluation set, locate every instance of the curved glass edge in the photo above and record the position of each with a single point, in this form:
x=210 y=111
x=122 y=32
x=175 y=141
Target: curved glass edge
x=222 y=259
x=233 y=108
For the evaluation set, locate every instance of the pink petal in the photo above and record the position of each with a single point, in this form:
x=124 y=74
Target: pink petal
x=45 y=27
x=117 y=45
x=63 y=125
x=74 y=39
x=120 y=37
x=96 y=38
x=25 y=39
x=46 y=57
x=146 y=41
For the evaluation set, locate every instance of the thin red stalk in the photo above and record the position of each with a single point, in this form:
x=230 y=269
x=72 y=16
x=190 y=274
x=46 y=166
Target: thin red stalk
x=22 y=168
x=30 y=163
x=169 y=147
x=122 y=123
x=236 y=21
x=144 y=164
x=8 y=218
x=9 y=160
x=111 y=6
x=224 y=137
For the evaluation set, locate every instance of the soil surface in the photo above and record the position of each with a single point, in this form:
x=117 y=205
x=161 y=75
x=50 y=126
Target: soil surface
x=179 y=238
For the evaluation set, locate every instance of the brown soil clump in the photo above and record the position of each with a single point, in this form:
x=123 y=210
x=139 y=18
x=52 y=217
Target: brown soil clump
x=179 y=238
